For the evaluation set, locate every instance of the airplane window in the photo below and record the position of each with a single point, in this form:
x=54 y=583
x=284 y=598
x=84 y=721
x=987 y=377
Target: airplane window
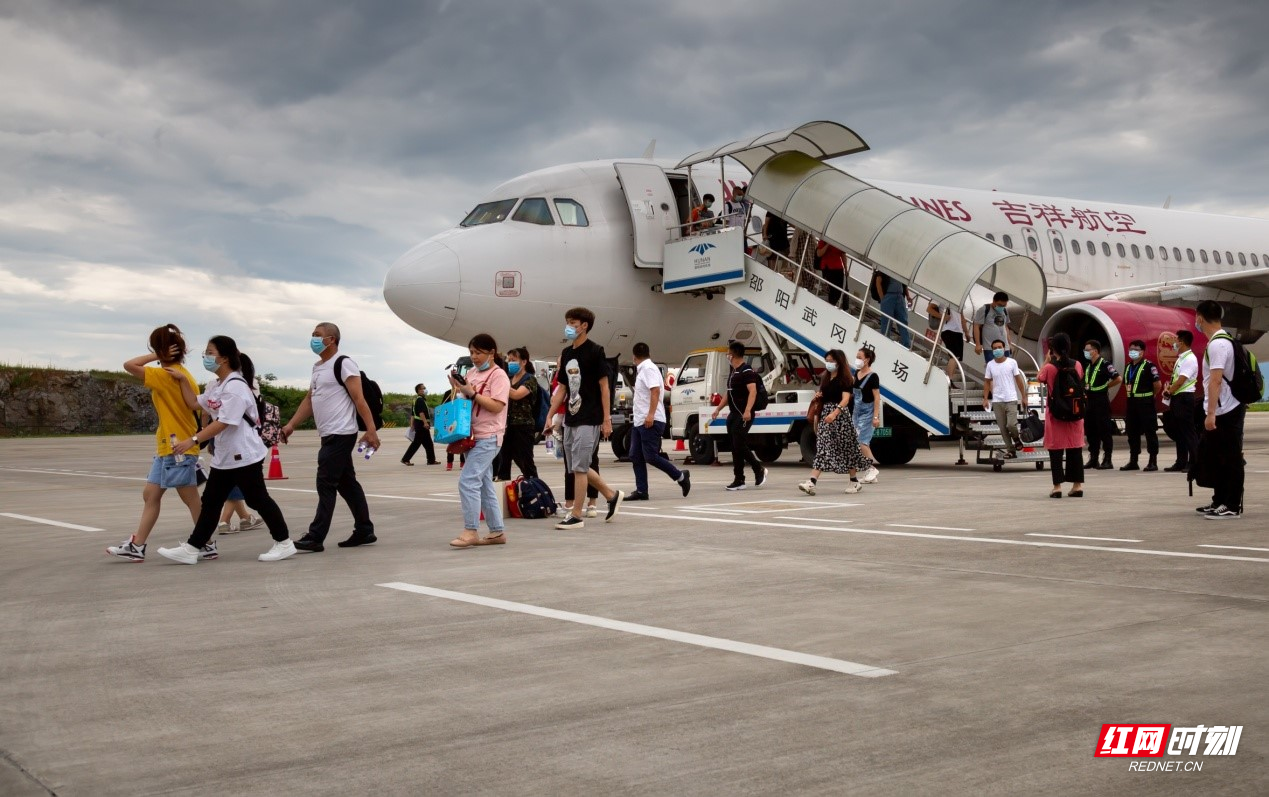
x=1136 y=251
x=1092 y=248
x=1242 y=259
x=1075 y=247
x=1190 y=254
x=1031 y=244
x=1176 y=254
x=1057 y=245
x=1149 y=252
x=1229 y=257
x=572 y=214
x=1203 y=255
x=1256 y=263
x=1105 y=249
x=1007 y=241
x=991 y=237
x=489 y=213
x=1216 y=255
x=1163 y=253
x=1120 y=249
x=534 y=210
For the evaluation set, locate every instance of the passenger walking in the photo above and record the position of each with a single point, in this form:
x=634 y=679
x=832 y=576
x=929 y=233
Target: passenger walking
x=737 y=208
x=1062 y=439
x=1004 y=391
x=836 y=444
x=894 y=305
x=952 y=336
x=238 y=454
x=1224 y=416
x=833 y=264
x=555 y=420
x=992 y=321
x=649 y=428
x=489 y=388
x=585 y=394
x=421 y=425
x=522 y=417
x=742 y=392
x=1099 y=377
x=237 y=502
x=167 y=471
x=775 y=235
x=702 y=217
x=335 y=408
x=1182 y=426
x=1144 y=384
x=867 y=408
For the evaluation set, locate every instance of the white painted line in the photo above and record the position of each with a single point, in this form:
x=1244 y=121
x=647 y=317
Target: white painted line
x=1075 y=537
x=814 y=519
x=932 y=528
x=1235 y=547
x=48 y=472
x=953 y=538
x=717 y=511
x=762 y=651
x=48 y=522
x=928 y=478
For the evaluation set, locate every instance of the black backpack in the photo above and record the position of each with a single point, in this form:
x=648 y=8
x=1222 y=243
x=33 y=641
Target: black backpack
x=1247 y=383
x=370 y=390
x=1067 y=400
x=761 y=399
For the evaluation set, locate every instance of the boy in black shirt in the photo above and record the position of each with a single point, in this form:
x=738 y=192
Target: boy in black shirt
x=584 y=392
x=742 y=392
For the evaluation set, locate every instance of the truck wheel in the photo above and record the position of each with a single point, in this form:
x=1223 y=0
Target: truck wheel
x=896 y=450
x=769 y=450
x=620 y=442
x=700 y=446
x=806 y=443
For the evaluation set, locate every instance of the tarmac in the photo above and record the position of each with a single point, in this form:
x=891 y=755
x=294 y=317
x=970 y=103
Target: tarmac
x=949 y=630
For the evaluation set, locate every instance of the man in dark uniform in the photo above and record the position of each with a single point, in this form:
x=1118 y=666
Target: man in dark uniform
x=1143 y=383
x=1099 y=377
x=742 y=393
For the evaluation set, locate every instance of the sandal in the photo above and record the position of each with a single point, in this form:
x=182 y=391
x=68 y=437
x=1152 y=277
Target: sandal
x=463 y=541
x=493 y=539
x=1056 y=494
x=1076 y=493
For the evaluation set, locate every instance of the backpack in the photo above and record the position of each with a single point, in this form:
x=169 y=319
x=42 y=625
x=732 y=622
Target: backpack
x=761 y=398
x=370 y=390
x=1067 y=400
x=534 y=499
x=539 y=411
x=1247 y=382
x=270 y=426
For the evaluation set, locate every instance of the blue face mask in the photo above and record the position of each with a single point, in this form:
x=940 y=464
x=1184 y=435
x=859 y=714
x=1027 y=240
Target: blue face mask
x=315 y=343
x=570 y=332
x=1000 y=310
x=1133 y=354
x=830 y=367
x=1198 y=326
x=997 y=352
x=209 y=362
x=513 y=368
x=1088 y=355
x=486 y=365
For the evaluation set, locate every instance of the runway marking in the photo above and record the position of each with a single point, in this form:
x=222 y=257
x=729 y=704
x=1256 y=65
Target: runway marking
x=933 y=528
x=769 y=506
x=954 y=538
x=927 y=478
x=761 y=651
x=49 y=472
x=1235 y=547
x=1075 y=537
x=714 y=511
x=48 y=522
x=814 y=519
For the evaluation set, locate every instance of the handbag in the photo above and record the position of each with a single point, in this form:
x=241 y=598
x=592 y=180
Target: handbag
x=1031 y=428
x=465 y=444
x=813 y=411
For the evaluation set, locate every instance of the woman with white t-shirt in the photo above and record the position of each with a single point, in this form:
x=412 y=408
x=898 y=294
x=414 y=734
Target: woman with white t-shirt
x=238 y=458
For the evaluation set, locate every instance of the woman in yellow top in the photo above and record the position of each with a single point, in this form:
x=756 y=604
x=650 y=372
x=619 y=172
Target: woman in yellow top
x=176 y=422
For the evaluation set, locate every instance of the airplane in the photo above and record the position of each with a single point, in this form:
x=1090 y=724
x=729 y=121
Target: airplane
x=589 y=233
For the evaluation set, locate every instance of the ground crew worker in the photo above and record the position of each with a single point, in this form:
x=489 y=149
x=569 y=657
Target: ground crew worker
x=1099 y=377
x=1143 y=383
x=1183 y=428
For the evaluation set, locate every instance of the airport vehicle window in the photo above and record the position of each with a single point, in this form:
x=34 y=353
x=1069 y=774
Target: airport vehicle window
x=1136 y=251
x=1075 y=247
x=1105 y=249
x=534 y=210
x=1057 y=245
x=572 y=214
x=1149 y=252
x=1242 y=259
x=1031 y=244
x=1007 y=241
x=693 y=369
x=1216 y=255
x=489 y=213
x=1120 y=249
x=1203 y=255
x=1163 y=252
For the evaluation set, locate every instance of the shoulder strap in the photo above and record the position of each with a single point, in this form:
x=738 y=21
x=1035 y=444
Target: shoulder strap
x=245 y=416
x=339 y=371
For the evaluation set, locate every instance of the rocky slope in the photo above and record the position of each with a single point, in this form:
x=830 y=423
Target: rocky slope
x=42 y=401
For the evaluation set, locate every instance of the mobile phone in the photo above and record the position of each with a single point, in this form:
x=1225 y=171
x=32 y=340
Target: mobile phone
x=459 y=378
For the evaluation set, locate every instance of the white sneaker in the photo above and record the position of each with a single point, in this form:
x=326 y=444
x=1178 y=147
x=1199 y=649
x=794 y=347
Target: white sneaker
x=870 y=475
x=562 y=511
x=853 y=487
x=252 y=522
x=807 y=487
x=209 y=551
x=278 y=552
x=184 y=553
x=225 y=528
x=591 y=511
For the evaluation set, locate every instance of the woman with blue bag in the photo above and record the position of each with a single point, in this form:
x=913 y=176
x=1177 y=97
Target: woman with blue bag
x=487 y=387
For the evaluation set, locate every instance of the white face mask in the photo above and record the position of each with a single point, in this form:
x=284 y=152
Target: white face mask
x=859 y=363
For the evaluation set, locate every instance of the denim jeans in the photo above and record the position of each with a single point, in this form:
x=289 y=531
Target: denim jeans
x=894 y=306
x=476 y=487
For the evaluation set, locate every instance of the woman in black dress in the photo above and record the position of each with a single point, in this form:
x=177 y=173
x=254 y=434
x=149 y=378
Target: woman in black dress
x=836 y=443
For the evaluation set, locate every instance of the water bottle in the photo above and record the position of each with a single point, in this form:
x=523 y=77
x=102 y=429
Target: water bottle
x=550 y=443
x=368 y=450
x=171 y=440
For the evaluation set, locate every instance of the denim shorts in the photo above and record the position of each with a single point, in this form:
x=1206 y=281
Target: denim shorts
x=167 y=473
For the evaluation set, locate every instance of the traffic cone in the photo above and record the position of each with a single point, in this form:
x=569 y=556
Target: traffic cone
x=678 y=445
x=275 y=466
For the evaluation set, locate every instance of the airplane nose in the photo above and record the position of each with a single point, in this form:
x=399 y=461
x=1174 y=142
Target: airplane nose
x=422 y=288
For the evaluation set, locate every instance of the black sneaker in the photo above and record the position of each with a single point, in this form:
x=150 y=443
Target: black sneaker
x=613 y=505
x=637 y=496
x=571 y=522
x=1223 y=512
x=736 y=485
x=307 y=543
x=358 y=539
x=685 y=482
x=1203 y=510
x=760 y=478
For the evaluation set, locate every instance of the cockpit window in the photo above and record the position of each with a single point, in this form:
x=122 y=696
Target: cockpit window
x=489 y=213
x=534 y=210
x=572 y=214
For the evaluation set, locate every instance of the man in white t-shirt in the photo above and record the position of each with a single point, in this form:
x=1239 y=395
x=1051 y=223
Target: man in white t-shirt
x=953 y=334
x=649 y=427
x=1179 y=396
x=1224 y=416
x=335 y=408
x=1004 y=389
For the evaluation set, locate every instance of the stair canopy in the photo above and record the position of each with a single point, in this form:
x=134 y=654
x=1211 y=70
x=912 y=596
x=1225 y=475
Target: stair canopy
x=819 y=140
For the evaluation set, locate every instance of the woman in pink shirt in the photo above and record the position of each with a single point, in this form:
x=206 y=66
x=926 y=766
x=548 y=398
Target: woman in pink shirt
x=488 y=386
x=1063 y=438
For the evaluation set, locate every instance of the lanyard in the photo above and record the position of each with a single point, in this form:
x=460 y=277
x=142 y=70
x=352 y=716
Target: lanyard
x=1190 y=383
x=1136 y=381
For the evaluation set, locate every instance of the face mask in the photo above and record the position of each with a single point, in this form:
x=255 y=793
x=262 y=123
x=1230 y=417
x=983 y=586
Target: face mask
x=1000 y=310
x=513 y=368
x=1198 y=326
x=859 y=363
x=209 y=362
x=485 y=365
x=570 y=333
x=1133 y=354
x=997 y=352
x=709 y=204
x=1088 y=355
x=830 y=367
x=315 y=343
x=1176 y=347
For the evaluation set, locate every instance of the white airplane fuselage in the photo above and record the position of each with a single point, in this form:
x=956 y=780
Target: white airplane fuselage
x=515 y=279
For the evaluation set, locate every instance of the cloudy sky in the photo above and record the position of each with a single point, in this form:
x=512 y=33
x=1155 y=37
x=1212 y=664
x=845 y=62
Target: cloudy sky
x=249 y=168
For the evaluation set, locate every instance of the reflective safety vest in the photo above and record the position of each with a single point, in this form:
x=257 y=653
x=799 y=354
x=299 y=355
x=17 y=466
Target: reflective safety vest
x=1090 y=376
x=1183 y=388
x=1135 y=378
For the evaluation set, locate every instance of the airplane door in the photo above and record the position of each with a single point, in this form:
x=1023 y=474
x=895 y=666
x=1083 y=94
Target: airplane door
x=1057 y=249
x=652 y=210
x=1031 y=242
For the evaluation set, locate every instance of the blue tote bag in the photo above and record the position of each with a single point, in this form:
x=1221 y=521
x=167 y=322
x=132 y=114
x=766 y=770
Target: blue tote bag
x=453 y=421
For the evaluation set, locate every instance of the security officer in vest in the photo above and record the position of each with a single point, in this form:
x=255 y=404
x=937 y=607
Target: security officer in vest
x=1099 y=377
x=1183 y=425
x=1143 y=384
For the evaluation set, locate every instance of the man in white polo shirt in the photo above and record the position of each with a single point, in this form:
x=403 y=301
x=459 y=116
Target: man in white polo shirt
x=1179 y=396
x=1224 y=416
x=334 y=408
